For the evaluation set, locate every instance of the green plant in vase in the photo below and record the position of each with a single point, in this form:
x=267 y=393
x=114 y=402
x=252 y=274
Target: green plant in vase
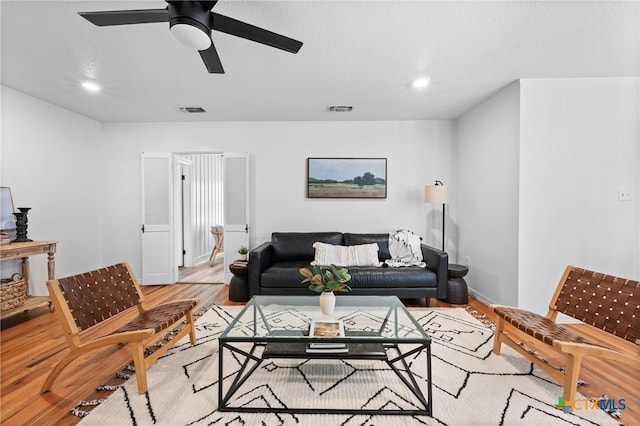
x=326 y=282
x=320 y=280
x=242 y=251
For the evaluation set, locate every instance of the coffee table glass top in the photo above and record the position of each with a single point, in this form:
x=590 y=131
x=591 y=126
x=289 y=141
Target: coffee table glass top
x=287 y=318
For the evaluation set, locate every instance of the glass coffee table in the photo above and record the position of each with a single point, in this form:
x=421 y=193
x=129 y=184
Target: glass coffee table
x=377 y=328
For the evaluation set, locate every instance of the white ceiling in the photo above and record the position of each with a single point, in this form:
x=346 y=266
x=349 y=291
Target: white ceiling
x=360 y=53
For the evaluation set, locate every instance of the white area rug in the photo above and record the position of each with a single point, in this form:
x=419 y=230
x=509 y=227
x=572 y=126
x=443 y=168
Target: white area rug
x=471 y=386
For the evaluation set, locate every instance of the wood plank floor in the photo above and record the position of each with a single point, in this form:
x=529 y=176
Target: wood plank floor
x=207 y=273
x=33 y=342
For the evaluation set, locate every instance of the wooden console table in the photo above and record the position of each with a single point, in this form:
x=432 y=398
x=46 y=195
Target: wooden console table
x=23 y=251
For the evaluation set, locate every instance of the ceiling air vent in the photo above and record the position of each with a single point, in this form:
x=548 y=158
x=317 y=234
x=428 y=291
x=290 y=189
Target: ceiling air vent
x=192 y=110
x=340 y=108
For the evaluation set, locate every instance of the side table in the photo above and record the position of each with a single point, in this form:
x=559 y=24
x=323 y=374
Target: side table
x=457 y=291
x=239 y=285
x=22 y=251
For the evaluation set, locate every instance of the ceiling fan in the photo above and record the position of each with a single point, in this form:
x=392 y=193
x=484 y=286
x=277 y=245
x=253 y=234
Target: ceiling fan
x=191 y=22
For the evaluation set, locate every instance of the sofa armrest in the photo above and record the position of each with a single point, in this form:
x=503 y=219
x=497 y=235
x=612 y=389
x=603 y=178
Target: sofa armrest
x=259 y=261
x=438 y=262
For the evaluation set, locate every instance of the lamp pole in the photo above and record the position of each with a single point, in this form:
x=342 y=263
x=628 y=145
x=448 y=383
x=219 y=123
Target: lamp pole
x=443 y=207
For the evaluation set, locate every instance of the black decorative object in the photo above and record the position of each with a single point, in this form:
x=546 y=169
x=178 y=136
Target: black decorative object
x=239 y=284
x=21 y=225
x=457 y=290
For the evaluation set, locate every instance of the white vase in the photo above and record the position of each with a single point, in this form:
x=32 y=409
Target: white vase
x=243 y=256
x=327 y=302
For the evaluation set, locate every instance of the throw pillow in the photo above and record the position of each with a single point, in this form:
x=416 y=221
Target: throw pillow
x=381 y=239
x=360 y=255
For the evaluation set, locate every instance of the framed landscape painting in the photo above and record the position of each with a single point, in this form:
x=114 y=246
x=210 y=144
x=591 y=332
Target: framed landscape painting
x=347 y=177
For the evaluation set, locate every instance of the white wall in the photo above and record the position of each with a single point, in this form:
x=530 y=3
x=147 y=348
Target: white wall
x=417 y=151
x=539 y=169
x=579 y=145
x=82 y=178
x=487 y=154
x=50 y=160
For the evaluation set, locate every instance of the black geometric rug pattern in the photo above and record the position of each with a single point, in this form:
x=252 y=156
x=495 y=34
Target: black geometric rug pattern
x=471 y=385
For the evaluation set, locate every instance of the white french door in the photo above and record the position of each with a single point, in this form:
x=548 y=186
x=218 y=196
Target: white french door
x=158 y=265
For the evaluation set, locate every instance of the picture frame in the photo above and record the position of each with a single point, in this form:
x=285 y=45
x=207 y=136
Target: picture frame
x=7 y=219
x=346 y=177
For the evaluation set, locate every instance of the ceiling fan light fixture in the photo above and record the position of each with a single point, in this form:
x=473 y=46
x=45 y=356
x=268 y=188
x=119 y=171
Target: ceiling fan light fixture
x=191 y=23
x=191 y=36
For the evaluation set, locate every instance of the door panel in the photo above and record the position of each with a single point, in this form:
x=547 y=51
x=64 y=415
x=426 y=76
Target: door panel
x=157 y=215
x=236 y=207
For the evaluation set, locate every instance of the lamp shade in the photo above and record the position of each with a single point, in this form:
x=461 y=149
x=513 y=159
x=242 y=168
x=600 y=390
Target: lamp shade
x=436 y=194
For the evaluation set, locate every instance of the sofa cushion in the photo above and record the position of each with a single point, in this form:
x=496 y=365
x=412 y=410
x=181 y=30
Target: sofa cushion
x=360 y=255
x=381 y=239
x=284 y=274
x=299 y=245
x=408 y=277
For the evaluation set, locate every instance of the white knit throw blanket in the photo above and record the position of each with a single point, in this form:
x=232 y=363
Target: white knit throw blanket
x=404 y=247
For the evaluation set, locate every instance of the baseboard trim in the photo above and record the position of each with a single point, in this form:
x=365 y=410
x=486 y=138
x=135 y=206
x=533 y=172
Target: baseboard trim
x=481 y=297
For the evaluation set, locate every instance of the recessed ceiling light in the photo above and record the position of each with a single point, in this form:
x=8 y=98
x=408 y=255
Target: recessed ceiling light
x=90 y=86
x=421 y=82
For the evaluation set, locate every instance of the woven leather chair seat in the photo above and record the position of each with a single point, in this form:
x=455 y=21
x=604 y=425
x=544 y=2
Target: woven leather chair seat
x=598 y=300
x=537 y=326
x=159 y=317
x=82 y=301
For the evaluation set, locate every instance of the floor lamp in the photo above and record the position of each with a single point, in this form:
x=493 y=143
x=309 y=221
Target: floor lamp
x=437 y=194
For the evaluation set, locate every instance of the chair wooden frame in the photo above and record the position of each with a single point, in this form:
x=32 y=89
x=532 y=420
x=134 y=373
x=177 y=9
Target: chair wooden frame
x=85 y=300
x=609 y=303
x=219 y=237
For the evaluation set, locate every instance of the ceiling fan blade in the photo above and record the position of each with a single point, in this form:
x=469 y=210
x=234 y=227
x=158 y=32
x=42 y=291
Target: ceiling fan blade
x=126 y=17
x=259 y=35
x=212 y=60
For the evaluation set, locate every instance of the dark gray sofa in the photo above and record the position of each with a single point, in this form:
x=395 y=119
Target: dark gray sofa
x=274 y=265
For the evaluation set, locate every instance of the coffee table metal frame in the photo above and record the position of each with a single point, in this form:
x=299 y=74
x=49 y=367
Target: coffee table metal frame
x=392 y=354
